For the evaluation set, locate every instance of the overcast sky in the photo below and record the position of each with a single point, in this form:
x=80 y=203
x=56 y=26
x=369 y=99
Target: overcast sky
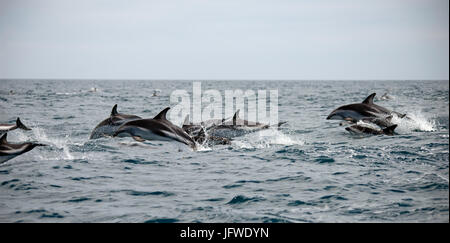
x=229 y=39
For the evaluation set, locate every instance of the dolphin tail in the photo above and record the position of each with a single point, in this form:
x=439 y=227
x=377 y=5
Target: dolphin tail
x=390 y=130
x=20 y=125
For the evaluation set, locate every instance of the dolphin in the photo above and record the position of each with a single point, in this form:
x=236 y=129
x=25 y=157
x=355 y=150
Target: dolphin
x=385 y=96
x=365 y=129
x=188 y=126
x=9 y=127
x=382 y=122
x=158 y=128
x=198 y=131
x=359 y=111
x=108 y=126
x=201 y=137
x=11 y=150
x=237 y=127
x=194 y=129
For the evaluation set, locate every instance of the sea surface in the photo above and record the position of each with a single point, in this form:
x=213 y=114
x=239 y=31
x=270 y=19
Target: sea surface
x=310 y=170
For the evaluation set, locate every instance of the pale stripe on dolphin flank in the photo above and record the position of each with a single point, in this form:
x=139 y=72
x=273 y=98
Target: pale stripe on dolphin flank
x=158 y=128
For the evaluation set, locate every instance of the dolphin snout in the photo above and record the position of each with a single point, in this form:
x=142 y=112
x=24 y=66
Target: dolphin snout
x=330 y=115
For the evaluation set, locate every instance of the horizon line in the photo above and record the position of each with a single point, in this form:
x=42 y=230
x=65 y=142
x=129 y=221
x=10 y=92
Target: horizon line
x=168 y=79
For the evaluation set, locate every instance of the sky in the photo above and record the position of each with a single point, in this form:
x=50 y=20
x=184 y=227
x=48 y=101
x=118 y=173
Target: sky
x=225 y=39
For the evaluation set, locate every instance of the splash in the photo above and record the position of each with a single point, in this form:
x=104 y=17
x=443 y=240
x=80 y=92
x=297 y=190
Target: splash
x=203 y=147
x=266 y=138
x=414 y=121
x=62 y=144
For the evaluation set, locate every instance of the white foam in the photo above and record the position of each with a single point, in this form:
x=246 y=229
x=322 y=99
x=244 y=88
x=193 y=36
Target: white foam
x=414 y=121
x=266 y=138
x=61 y=143
x=201 y=147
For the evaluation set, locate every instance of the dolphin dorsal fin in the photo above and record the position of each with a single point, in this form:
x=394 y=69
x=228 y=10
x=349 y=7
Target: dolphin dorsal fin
x=162 y=114
x=236 y=116
x=369 y=99
x=186 y=120
x=3 y=139
x=390 y=130
x=114 y=110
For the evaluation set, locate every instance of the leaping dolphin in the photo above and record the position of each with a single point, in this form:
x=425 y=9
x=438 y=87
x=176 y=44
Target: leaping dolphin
x=198 y=131
x=360 y=111
x=365 y=129
x=9 y=127
x=158 y=128
x=237 y=127
x=194 y=129
x=11 y=150
x=109 y=126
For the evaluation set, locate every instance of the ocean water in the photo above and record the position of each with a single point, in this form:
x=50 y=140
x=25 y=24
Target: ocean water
x=311 y=170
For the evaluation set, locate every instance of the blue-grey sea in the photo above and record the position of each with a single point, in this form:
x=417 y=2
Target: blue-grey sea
x=310 y=170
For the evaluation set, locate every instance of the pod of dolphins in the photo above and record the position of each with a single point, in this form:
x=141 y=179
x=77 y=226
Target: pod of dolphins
x=210 y=132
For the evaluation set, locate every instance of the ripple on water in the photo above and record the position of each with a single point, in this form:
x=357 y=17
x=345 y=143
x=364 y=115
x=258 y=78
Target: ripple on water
x=331 y=198
x=162 y=220
x=139 y=161
x=52 y=215
x=324 y=159
x=17 y=185
x=298 y=203
x=240 y=183
x=155 y=193
x=80 y=199
x=239 y=199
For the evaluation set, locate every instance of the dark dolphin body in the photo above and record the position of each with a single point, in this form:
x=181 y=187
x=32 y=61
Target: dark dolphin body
x=368 y=130
x=202 y=138
x=158 y=128
x=236 y=127
x=197 y=132
x=11 y=150
x=360 y=111
x=9 y=127
x=382 y=122
x=108 y=127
